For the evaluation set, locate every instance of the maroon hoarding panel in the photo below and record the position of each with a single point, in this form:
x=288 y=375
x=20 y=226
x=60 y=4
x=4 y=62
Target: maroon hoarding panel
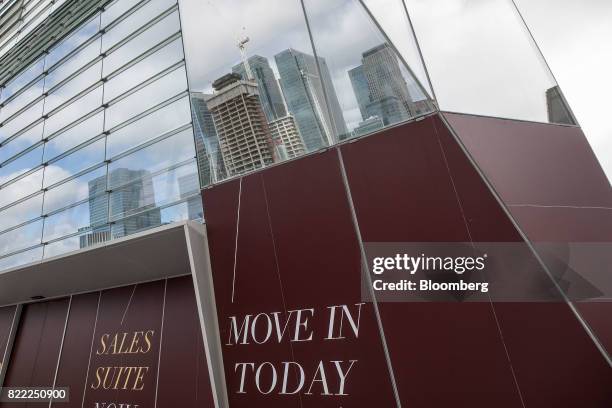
x=74 y=359
x=183 y=371
x=7 y=315
x=36 y=350
x=443 y=354
x=298 y=267
x=552 y=183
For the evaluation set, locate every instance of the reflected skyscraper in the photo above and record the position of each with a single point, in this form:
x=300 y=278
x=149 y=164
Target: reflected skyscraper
x=558 y=109
x=244 y=136
x=134 y=198
x=210 y=159
x=319 y=118
x=269 y=91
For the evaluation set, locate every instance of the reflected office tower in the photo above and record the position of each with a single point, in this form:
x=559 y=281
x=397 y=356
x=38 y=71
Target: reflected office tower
x=210 y=160
x=244 y=136
x=189 y=189
x=303 y=90
x=286 y=137
x=269 y=91
x=558 y=109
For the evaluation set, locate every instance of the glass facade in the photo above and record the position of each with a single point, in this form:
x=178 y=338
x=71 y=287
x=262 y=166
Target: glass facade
x=96 y=138
x=107 y=128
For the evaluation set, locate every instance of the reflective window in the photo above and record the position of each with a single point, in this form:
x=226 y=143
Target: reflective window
x=9 y=193
x=74 y=87
x=149 y=191
x=88 y=185
x=87 y=238
x=22 y=258
x=75 y=219
x=18 y=214
x=134 y=21
x=143 y=70
x=74 y=136
x=20 y=238
x=116 y=9
x=21 y=142
x=21 y=121
x=74 y=163
x=22 y=100
x=72 y=42
x=19 y=82
x=72 y=64
x=146 y=98
x=154 y=124
x=22 y=164
x=76 y=110
x=142 y=43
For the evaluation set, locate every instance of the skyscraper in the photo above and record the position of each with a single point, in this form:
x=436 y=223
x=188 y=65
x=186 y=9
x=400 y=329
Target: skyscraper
x=244 y=136
x=286 y=137
x=210 y=160
x=319 y=119
x=269 y=92
x=558 y=109
x=361 y=90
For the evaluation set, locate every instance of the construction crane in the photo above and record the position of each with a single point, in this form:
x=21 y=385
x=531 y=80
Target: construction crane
x=245 y=61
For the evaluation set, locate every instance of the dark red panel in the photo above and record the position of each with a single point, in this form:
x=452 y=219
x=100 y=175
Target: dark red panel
x=295 y=234
x=126 y=346
x=183 y=371
x=37 y=346
x=7 y=315
x=74 y=359
x=443 y=354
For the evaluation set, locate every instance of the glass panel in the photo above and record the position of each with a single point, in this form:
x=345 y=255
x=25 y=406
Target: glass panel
x=151 y=159
x=139 y=18
x=74 y=136
x=21 y=238
x=73 y=41
x=78 y=189
x=367 y=85
x=73 y=64
x=94 y=236
x=147 y=97
x=143 y=70
x=487 y=66
x=151 y=191
x=155 y=124
x=21 y=188
x=21 y=142
x=22 y=100
x=22 y=258
x=141 y=43
x=74 y=111
x=76 y=219
x=22 y=80
x=19 y=213
x=73 y=87
x=22 y=164
x=74 y=163
x=21 y=121
x=116 y=9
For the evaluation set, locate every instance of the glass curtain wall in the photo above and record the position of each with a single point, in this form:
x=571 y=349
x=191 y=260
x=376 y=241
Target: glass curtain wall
x=96 y=138
x=272 y=80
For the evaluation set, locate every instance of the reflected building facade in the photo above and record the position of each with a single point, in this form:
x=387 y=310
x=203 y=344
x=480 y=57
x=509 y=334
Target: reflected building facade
x=558 y=109
x=210 y=159
x=316 y=111
x=269 y=92
x=244 y=136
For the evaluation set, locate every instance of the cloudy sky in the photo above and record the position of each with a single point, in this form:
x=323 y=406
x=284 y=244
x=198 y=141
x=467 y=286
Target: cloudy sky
x=479 y=57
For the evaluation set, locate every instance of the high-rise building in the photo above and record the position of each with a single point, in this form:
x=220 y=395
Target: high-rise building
x=189 y=189
x=361 y=90
x=316 y=111
x=369 y=125
x=384 y=76
x=269 y=91
x=558 y=109
x=286 y=137
x=244 y=136
x=210 y=160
